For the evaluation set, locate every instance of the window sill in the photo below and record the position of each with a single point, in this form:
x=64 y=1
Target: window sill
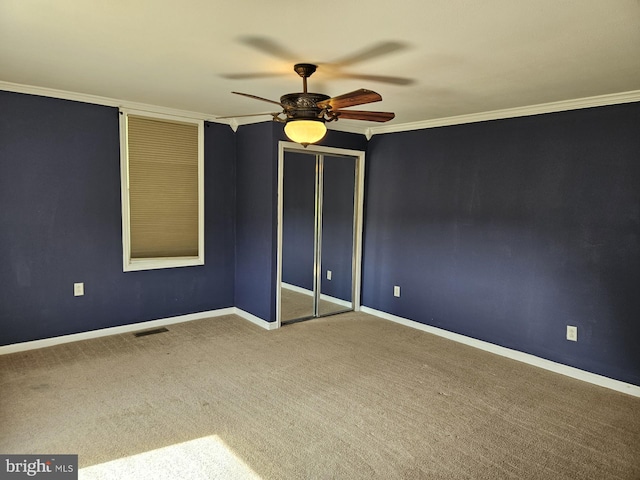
x=134 y=265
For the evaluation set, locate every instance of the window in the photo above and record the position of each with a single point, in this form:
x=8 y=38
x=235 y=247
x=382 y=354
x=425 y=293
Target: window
x=162 y=165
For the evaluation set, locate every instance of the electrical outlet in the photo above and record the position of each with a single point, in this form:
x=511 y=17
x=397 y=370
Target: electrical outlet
x=78 y=289
x=328 y=274
x=572 y=333
x=396 y=291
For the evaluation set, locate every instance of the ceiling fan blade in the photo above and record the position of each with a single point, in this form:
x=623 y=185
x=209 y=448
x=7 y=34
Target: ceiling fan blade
x=251 y=75
x=258 y=98
x=378 y=50
x=273 y=114
x=357 y=97
x=268 y=46
x=376 y=78
x=365 y=115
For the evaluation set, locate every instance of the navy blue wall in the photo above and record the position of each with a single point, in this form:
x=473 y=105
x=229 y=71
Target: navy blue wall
x=256 y=217
x=60 y=223
x=510 y=230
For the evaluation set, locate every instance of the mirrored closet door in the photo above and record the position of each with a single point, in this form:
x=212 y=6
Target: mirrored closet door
x=320 y=232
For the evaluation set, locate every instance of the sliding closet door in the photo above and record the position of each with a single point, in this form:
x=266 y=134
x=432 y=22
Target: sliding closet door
x=337 y=234
x=298 y=236
x=319 y=231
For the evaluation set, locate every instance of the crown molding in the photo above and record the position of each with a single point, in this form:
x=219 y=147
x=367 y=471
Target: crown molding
x=561 y=106
x=108 y=102
x=238 y=121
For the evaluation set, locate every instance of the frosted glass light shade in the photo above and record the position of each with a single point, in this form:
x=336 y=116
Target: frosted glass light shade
x=305 y=132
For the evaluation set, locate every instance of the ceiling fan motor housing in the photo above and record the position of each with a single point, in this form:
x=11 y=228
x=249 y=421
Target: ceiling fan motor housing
x=300 y=106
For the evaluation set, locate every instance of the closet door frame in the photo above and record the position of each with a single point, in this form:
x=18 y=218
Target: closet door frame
x=358 y=211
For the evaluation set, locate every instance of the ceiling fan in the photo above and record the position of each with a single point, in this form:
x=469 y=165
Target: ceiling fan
x=305 y=114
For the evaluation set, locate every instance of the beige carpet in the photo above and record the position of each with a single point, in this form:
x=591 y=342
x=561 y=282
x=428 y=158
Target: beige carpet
x=347 y=397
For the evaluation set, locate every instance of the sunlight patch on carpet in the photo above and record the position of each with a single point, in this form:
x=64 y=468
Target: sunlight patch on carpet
x=206 y=457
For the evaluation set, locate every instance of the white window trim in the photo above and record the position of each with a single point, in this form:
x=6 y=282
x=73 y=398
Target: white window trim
x=130 y=264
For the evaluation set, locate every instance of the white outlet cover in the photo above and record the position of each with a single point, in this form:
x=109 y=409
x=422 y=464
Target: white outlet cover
x=572 y=333
x=78 y=289
x=396 y=291
x=328 y=274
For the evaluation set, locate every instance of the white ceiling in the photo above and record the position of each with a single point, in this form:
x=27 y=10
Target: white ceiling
x=461 y=56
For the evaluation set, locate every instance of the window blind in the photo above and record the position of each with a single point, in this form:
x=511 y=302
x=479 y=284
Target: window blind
x=163 y=187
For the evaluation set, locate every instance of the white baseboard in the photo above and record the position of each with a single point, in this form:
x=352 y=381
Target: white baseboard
x=572 y=372
x=328 y=298
x=256 y=320
x=133 y=327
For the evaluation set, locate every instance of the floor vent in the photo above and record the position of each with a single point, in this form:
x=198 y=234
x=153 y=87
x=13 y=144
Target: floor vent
x=150 y=332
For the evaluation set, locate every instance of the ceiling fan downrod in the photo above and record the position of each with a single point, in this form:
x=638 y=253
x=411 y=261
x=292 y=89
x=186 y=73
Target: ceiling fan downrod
x=305 y=70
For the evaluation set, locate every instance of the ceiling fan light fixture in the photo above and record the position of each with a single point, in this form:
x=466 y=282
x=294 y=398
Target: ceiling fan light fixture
x=305 y=132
